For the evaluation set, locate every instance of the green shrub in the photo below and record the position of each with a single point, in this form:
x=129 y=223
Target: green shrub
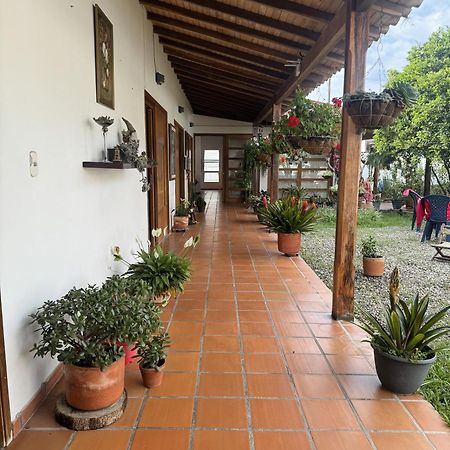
x=369 y=248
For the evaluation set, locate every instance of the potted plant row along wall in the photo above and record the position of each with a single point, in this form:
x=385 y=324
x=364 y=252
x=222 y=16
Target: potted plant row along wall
x=181 y=216
x=289 y=217
x=310 y=126
x=371 y=110
x=373 y=262
x=152 y=354
x=85 y=329
x=402 y=341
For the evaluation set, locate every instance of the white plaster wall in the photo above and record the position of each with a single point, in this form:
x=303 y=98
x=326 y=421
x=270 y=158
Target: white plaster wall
x=56 y=230
x=213 y=125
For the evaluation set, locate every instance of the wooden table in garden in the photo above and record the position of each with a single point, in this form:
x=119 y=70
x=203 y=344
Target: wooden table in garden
x=440 y=251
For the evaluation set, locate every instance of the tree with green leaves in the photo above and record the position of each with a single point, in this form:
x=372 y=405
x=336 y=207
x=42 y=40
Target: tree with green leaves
x=423 y=130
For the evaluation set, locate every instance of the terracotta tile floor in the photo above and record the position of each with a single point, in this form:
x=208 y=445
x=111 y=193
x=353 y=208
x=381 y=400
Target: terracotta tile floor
x=256 y=364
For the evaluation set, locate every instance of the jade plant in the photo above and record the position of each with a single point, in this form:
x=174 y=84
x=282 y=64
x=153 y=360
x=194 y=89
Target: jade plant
x=85 y=326
x=152 y=352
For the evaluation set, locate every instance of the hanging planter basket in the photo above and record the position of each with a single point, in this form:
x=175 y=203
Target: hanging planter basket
x=371 y=113
x=265 y=159
x=316 y=145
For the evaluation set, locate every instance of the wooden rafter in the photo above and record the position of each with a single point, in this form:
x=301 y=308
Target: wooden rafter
x=225 y=71
x=181 y=41
x=229 y=64
x=253 y=17
x=299 y=10
x=181 y=64
x=169 y=23
x=328 y=39
x=293 y=45
x=210 y=77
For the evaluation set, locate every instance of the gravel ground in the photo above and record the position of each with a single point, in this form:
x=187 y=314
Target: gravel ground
x=400 y=247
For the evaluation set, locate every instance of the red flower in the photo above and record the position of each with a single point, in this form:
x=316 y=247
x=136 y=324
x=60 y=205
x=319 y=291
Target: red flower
x=338 y=146
x=265 y=202
x=337 y=102
x=293 y=122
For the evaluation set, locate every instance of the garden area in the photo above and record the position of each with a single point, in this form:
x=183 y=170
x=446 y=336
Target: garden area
x=400 y=248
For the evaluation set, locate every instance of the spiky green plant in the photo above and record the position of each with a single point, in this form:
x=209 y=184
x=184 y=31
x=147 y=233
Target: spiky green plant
x=407 y=331
x=289 y=216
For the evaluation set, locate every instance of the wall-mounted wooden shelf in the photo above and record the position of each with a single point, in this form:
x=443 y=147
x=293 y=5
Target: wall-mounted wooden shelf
x=106 y=165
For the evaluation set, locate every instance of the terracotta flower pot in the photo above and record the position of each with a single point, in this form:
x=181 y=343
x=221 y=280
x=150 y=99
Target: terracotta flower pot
x=162 y=299
x=289 y=243
x=180 y=223
x=152 y=378
x=373 y=267
x=89 y=389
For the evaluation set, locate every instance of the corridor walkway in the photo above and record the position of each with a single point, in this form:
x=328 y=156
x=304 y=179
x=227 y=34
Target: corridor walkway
x=256 y=364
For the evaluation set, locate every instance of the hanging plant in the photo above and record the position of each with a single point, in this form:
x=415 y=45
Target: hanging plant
x=310 y=126
x=258 y=152
x=371 y=110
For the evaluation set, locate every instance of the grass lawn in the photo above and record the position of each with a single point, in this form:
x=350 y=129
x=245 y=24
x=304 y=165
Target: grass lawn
x=401 y=247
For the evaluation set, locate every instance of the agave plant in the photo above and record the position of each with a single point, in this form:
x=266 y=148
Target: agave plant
x=289 y=216
x=407 y=331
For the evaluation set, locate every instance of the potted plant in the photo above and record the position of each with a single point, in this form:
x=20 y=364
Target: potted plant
x=311 y=126
x=402 y=341
x=257 y=201
x=371 y=110
x=289 y=218
x=258 y=152
x=373 y=263
x=199 y=201
x=152 y=354
x=83 y=330
x=164 y=272
x=181 y=216
x=397 y=202
x=377 y=202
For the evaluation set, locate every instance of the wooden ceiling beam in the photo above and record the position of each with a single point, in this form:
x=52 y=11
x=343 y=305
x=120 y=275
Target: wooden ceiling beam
x=249 y=96
x=212 y=94
x=183 y=64
x=226 y=88
x=294 y=46
x=299 y=10
x=391 y=8
x=221 y=82
x=327 y=41
x=223 y=116
x=170 y=23
x=253 y=17
x=182 y=41
x=252 y=71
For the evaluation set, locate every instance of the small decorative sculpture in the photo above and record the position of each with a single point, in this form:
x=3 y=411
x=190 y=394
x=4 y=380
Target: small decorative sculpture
x=105 y=122
x=129 y=150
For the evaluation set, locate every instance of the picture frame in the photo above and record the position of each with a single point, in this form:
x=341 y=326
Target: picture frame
x=104 y=58
x=172 y=165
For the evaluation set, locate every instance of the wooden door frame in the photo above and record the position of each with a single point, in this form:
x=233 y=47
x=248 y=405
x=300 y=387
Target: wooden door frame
x=152 y=202
x=6 y=433
x=181 y=177
x=189 y=145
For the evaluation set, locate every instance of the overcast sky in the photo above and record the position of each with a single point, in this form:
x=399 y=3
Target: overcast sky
x=391 y=50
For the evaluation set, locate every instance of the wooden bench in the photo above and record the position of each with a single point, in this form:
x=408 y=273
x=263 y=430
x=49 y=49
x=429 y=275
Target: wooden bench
x=440 y=249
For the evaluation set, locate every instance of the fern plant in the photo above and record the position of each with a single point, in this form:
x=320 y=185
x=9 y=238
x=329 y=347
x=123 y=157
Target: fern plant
x=289 y=216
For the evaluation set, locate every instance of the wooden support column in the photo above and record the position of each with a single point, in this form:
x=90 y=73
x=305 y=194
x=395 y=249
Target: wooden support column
x=276 y=114
x=357 y=32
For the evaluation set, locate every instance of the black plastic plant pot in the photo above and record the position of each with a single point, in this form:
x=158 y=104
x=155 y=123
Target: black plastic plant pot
x=399 y=375
x=398 y=203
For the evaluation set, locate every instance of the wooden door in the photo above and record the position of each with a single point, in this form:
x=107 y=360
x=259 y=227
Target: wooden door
x=189 y=152
x=179 y=163
x=158 y=196
x=6 y=434
x=233 y=163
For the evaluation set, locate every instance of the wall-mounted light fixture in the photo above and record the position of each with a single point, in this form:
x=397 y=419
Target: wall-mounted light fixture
x=159 y=78
x=191 y=124
x=181 y=109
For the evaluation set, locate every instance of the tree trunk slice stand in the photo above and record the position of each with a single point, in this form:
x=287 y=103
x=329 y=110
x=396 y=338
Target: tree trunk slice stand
x=78 y=420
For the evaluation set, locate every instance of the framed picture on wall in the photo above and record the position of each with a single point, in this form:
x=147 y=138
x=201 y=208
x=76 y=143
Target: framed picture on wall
x=104 y=58
x=172 y=168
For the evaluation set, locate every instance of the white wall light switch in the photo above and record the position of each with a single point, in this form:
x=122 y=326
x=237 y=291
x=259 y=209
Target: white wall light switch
x=34 y=170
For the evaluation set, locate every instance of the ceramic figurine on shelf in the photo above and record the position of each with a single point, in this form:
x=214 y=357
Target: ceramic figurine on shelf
x=105 y=122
